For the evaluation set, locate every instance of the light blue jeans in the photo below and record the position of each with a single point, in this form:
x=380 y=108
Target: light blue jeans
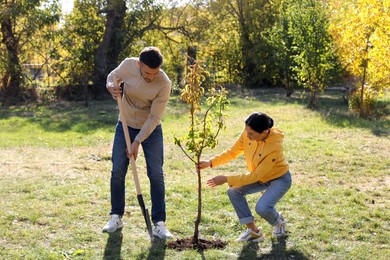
x=265 y=206
x=154 y=157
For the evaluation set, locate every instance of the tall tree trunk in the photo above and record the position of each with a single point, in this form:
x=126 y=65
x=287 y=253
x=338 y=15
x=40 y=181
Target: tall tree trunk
x=289 y=88
x=249 y=69
x=107 y=54
x=362 y=111
x=191 y=55
x=313 y=98
x=12 y=80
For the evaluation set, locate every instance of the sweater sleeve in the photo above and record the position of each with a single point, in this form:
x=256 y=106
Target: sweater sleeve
x=114 y=78
x=156 y=111
x=258 y=174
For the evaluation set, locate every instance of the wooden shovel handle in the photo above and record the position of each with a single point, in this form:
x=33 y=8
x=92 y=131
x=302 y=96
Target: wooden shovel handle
x=128 y=144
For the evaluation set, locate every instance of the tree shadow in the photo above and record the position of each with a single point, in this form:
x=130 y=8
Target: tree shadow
x=157 y=249
x=333 y=108
x=114 y=245
x=279 y=251
x=64 y=116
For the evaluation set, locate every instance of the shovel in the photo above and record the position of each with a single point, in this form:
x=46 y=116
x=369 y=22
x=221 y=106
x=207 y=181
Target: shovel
x=134 y=170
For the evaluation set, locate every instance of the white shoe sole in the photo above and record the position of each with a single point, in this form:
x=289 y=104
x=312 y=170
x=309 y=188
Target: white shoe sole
x=260 y=239
x=112 y=230
x=161 y=236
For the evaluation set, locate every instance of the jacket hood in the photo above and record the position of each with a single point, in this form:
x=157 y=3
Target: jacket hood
x=275 y=136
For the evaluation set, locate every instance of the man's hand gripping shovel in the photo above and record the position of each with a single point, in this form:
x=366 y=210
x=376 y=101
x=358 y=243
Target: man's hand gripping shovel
x=134 y=169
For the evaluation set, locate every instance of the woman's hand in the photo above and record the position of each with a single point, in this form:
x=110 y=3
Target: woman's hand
x=204 y=164
x=218 y=180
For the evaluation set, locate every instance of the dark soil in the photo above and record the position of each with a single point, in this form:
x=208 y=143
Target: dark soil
x=200 y=245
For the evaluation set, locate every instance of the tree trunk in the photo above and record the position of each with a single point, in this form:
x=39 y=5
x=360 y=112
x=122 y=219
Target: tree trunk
x=107 y=54
x=199 y=216
x=249 y=67
x=313 y=99
x=85 y=91
x=289 y=88
x=12 y=79
x=362 y=111
x=191 y=55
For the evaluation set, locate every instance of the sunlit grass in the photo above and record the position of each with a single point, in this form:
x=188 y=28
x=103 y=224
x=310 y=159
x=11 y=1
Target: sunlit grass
x=55 y=169
x=63 y=125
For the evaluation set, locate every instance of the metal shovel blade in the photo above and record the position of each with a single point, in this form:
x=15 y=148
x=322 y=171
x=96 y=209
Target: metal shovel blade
x=145 y=212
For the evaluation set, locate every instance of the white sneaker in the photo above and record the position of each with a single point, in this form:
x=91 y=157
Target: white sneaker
x=114 y=224
x=250 y=236
x=280 y=228
x=161 y=231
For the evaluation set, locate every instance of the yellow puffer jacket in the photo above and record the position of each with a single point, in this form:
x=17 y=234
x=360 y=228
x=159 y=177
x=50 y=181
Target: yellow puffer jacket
x=264 y=159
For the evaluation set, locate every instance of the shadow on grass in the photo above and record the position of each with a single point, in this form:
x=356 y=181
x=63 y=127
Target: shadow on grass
x=335 y=111
x=278 y=251
x=113 y=246
x=64 y=116
x=249 y=251
x=157 y=249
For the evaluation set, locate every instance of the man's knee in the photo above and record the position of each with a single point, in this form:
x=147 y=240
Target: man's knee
x=156 y=176
x=118 y=176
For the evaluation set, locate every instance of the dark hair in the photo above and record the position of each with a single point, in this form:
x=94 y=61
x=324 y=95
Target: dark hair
x=259 y=122
x=151 y=57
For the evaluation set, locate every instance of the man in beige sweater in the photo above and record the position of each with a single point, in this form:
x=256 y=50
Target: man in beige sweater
x=145 y=96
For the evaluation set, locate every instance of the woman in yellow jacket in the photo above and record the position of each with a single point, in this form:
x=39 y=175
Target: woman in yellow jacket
x=262 y=145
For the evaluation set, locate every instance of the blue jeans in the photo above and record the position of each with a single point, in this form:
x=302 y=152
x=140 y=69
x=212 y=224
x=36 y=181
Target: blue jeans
x=265 y=206
x=154 y=157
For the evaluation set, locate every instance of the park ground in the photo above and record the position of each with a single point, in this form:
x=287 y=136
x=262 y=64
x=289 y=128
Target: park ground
x=55 y=170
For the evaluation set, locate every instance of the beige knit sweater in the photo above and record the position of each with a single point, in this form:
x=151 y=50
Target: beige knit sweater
x=144 y=103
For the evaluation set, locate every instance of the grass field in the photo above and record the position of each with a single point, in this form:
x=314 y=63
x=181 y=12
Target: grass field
x=55 y=169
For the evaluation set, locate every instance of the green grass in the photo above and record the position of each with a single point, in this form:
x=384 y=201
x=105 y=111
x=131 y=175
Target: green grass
x=62 y=124
x=55 y=169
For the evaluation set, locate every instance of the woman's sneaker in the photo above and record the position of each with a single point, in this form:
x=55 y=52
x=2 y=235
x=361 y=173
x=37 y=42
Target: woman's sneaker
x=250 y=236
x=161 y=231
x=280 y=228
x=114 y=224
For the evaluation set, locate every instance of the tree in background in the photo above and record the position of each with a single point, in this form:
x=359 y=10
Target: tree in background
x=254 y=43
x=252 y=19
x=281 y=38
x=111 y=45
x=81 y=35
x=126 y=24
x=19 y=21
x=360 y=29
x=312 y=45
x=183 y=28
x=224 y=44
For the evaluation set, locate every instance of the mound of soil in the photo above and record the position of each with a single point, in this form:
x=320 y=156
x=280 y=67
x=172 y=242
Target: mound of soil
x=200 y=245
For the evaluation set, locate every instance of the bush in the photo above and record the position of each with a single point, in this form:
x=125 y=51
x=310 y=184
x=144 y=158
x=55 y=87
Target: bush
x=370 y=98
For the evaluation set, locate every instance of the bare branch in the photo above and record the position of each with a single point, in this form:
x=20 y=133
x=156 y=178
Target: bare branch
x=186 y=154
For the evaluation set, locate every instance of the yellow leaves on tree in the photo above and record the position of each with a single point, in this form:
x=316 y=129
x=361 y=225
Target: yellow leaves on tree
x=193 y=90
x=361 y=30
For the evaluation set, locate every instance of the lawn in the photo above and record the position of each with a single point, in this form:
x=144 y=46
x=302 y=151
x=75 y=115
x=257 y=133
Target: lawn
x=55 y=170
